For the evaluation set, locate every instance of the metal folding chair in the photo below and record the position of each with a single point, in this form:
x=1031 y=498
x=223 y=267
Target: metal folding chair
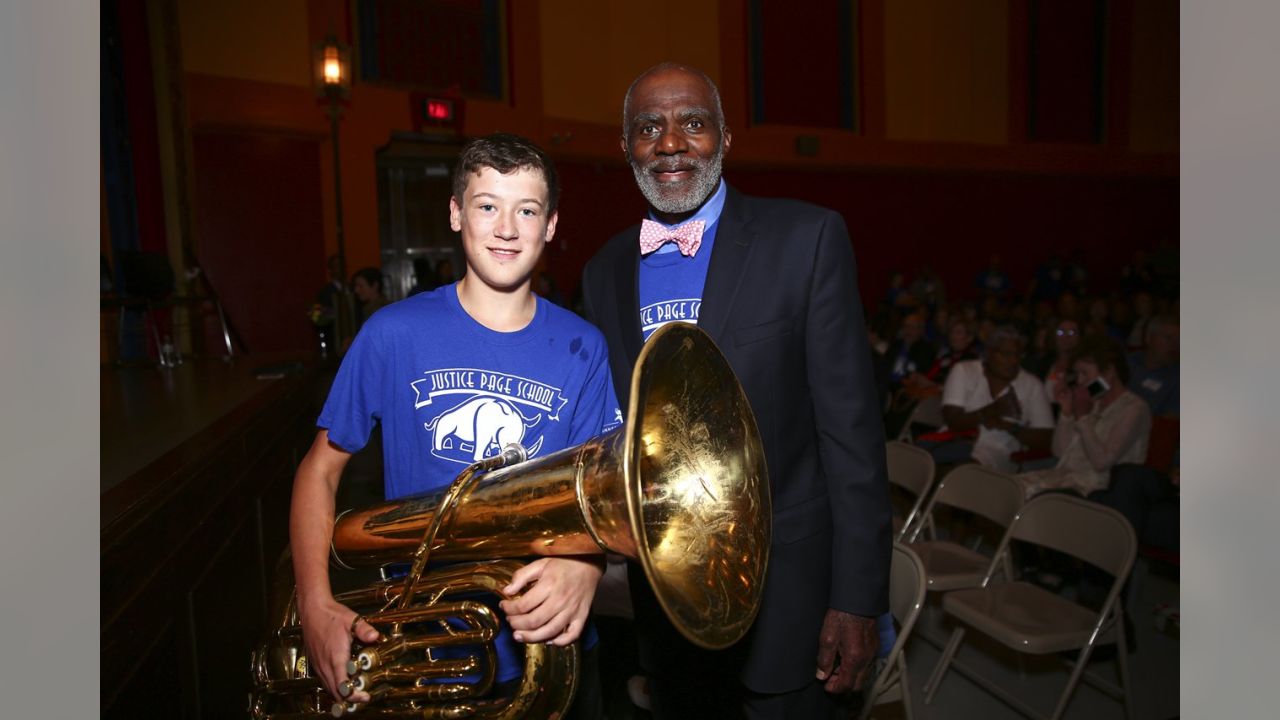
x=911 y=469
x=1029 y=619
x=906 y=597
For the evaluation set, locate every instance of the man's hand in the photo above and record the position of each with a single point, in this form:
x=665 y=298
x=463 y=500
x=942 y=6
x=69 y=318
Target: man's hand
x=558 y=599
x=846 y=647
x=326 y=630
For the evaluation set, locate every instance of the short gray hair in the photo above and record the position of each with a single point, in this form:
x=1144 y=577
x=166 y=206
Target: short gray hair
x=1003 y=334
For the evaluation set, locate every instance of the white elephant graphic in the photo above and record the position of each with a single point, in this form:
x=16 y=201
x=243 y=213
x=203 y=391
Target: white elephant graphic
x=481 y=425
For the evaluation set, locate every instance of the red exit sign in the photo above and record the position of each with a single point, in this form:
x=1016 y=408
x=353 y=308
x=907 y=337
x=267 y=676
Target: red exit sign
x=438 y=110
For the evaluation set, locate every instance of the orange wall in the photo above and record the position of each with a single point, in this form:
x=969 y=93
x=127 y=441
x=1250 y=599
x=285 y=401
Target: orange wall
x=947 y=70
x=249 y=39
x=591 y=51
x=944 y=71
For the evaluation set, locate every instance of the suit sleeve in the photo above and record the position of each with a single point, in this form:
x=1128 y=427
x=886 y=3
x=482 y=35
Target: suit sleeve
x=850 y=430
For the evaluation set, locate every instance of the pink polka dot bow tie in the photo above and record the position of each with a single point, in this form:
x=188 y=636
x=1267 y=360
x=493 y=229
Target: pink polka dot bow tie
x=687 y=237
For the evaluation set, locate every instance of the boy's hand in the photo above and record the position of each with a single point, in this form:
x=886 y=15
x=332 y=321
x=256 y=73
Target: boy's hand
x=558 y=599
x=326 y=630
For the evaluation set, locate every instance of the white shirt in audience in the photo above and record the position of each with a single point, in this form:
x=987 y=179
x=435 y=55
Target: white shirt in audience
x=968 y=390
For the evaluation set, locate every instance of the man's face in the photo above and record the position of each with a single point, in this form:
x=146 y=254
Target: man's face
x=1067 y=336
x=363 y=290
x=1002 y=360
x=1162 y=345
x=673 y=140
x=504 y=224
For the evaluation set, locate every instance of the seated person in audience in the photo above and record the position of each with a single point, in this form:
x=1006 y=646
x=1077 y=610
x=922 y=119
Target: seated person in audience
x=1102 y=424
x=1054 y=369
x=996 y=397
x=928 y=289
x=1099 y=320
x=911 y=352
x=1149 y=499
x=961 y=346
x=1143 y=310
x=992 y=282
x=1155 y=370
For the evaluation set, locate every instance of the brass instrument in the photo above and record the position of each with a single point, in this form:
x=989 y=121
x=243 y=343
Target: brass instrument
x=681 y=488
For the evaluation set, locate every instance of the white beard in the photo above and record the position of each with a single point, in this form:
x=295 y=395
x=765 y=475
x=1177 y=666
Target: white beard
x=683 y=196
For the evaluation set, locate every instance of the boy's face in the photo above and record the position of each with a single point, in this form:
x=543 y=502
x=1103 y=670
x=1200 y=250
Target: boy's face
x=504 y=224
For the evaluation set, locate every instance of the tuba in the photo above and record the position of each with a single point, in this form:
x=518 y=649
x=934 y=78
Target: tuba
x=680 y=488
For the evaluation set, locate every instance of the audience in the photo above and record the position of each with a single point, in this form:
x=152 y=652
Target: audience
x=1101 y=425
x=982 y=399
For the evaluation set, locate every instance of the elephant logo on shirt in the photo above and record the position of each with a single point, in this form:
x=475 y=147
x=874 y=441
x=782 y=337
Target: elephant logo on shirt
x=480 y=426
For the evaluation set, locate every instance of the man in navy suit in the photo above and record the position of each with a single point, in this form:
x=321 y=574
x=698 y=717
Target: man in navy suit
x=773 y=283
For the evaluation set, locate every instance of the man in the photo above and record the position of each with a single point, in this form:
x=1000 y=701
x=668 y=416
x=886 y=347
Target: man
x=773 y=283
x=1155 y=371
x=423 y=366
x=1004 y=403
x=911 y=353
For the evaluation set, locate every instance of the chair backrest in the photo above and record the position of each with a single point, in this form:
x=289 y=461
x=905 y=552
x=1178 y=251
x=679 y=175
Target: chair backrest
x=910 y=468
x=1080 y=528
x=979 y=490
x=907 y=580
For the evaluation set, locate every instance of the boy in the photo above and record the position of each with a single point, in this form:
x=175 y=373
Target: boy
x=485 y=344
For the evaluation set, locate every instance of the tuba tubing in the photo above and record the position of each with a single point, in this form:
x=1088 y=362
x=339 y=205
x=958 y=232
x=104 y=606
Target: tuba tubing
x=681 y=488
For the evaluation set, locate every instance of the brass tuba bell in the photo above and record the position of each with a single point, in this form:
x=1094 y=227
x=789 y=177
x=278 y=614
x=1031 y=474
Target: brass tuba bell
x=680 y=488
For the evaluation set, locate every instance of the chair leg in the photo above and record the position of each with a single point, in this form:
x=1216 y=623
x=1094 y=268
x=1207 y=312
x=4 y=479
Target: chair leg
x=1122 y=669
x=1081 y=662
x=905 y=686
x=935 y=678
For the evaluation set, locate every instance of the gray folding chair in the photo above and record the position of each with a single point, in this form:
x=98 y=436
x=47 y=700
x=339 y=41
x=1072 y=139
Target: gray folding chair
x=906 y=597
x=976 y=489
x=1029 y=619
x=911 y=469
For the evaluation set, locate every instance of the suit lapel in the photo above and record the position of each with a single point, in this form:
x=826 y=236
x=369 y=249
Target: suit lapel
x=729 y=257
x=627 y=284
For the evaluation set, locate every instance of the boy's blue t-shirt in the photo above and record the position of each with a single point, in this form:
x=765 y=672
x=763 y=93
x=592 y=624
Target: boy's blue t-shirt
x=449 y=391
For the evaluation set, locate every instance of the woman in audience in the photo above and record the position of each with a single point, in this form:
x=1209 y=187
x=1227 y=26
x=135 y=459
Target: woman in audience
x=960 y=346
x=1053 y=370
x=1102 y=424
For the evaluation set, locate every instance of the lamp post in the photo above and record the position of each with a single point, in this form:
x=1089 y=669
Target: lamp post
x=333 y=84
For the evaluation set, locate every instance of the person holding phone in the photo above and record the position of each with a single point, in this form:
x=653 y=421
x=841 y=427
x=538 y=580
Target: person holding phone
x=1102 y=424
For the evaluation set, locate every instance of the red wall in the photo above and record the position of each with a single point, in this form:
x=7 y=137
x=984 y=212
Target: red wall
x=257 y=214
x=952 y=221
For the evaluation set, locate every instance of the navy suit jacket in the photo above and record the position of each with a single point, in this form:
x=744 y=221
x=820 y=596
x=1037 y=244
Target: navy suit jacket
x=781 y=302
